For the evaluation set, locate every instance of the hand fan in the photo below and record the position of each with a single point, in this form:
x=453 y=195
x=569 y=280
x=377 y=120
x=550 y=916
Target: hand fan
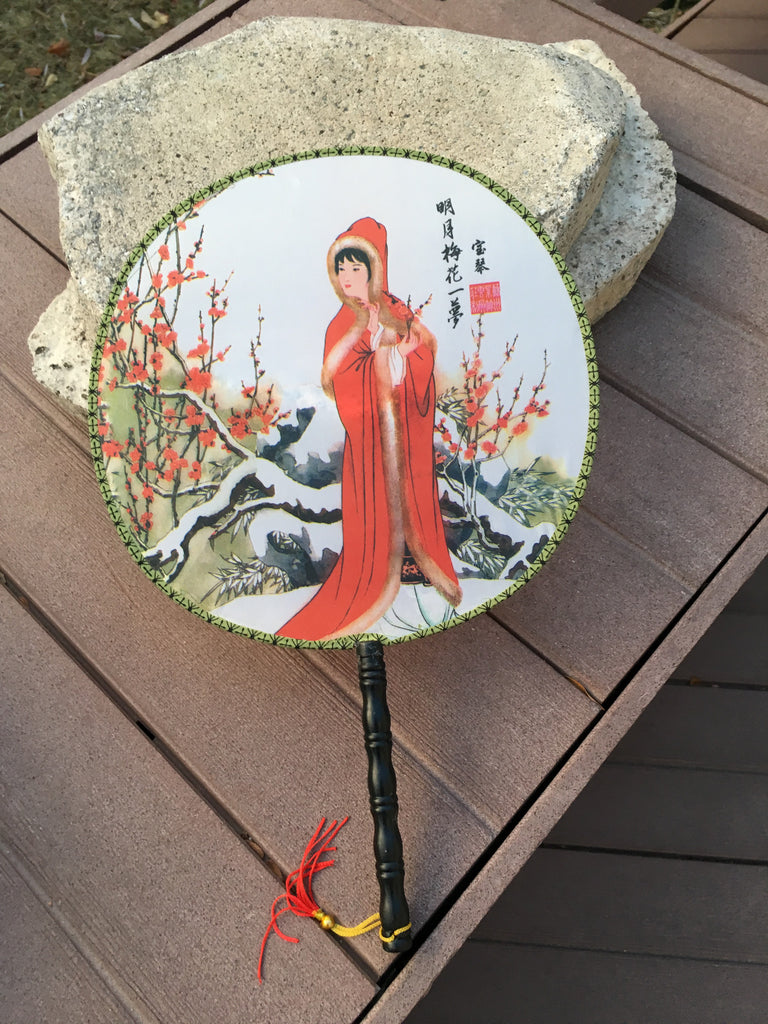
x=345 y=398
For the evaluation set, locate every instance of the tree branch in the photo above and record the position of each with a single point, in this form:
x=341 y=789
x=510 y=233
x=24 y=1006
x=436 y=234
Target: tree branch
x=308 y=504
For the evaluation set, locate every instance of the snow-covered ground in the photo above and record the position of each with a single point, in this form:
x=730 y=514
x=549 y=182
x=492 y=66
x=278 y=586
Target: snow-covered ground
x=415 y=608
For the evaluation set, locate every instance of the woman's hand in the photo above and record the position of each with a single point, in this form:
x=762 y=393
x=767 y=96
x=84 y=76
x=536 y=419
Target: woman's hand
x=373 y=317
x=408 y=345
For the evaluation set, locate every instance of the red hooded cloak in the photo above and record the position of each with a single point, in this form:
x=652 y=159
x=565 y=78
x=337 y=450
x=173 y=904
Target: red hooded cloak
x=389 y=492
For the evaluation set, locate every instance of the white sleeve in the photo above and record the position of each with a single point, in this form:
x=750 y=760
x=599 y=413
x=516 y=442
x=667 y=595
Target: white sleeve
x=376 y=339
x=396 y=365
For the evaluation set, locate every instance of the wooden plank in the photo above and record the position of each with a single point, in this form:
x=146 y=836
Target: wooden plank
x=734 y=650
x=665 y=492
x=584 y=616
x=715 y=32
x=751 y=64
x=489 y=982
x=733 y=32
x=674 y=27
x=696 y=315
x=643 y=905
x=402 y=994
x=753 y=596
x=44 y=976
x=702 y=65
x=28 y=195
x=151 y=888
x=680 y=811
x=722 y=729
x=632 y=9
x=505 y=698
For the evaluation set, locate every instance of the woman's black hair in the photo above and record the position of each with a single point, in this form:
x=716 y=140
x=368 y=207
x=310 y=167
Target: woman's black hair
x=356 y=255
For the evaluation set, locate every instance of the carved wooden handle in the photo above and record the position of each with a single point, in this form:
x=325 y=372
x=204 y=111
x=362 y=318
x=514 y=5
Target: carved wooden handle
x=387 y=845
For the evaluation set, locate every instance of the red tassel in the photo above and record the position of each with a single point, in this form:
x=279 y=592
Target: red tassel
x=298 y=885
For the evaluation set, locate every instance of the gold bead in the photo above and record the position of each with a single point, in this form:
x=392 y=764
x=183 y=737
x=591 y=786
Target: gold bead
x=327 y=922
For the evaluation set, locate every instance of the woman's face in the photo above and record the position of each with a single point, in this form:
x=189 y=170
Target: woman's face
x=353 y=278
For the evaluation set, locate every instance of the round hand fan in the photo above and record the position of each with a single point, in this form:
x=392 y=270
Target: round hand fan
x=345 y=398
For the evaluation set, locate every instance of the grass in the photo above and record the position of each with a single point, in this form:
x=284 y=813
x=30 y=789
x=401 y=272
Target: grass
x=668 y=11
x=49 y=48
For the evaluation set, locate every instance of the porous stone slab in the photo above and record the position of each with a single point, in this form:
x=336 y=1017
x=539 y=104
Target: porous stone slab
x=636 y=205
x=545 y=122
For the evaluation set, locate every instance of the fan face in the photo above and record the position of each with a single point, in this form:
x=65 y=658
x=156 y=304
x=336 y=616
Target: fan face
x=342 y=395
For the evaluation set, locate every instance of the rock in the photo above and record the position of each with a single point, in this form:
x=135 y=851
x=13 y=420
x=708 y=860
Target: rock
x=62 y=344
x=636 y=205
x=540 y=119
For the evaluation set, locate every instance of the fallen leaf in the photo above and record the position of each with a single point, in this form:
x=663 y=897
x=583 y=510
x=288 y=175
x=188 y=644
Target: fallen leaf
x=50 y=80
x=149 y=20
x=33 y=72
x=61 y=48
x=162 y=18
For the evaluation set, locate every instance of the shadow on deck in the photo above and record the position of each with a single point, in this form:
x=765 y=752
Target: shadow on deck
x=648 y=902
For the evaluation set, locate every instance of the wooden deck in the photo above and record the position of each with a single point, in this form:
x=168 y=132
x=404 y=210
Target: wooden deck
x=732 y=32
x=158 y=775
x=648 y=901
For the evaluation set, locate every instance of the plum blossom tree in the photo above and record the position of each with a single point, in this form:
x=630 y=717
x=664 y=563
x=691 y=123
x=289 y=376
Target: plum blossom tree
x=477 y=427
x=185 y=454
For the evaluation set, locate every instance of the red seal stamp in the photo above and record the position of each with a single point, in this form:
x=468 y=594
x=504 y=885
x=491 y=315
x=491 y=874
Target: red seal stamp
x=485 y=297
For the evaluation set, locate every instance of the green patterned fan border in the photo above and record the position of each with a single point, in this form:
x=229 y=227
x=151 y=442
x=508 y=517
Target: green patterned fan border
x=248 y=172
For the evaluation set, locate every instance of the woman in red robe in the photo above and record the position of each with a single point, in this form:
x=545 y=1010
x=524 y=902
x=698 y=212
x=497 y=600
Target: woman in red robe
x=378 y=366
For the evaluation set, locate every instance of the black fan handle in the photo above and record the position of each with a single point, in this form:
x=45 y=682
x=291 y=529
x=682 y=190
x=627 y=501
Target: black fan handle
x=387 y=844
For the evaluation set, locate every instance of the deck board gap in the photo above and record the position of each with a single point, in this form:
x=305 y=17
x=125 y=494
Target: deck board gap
x=257 y=849
x=749 y=216
x=669 y=765
x=41 y=245
x=664 y=414
x=125 y=996
x=339 y=692
x=529 y=645
x=707 y=684
x=487 y=855
x=669 y=570
x=627 y=954
x=85 y=664
x=54 y=411
x=749 y=862
x=618 y=690
x=255 y=846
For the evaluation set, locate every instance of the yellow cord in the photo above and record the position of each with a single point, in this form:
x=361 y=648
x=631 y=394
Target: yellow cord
x=327 y=922
x=395 y=933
